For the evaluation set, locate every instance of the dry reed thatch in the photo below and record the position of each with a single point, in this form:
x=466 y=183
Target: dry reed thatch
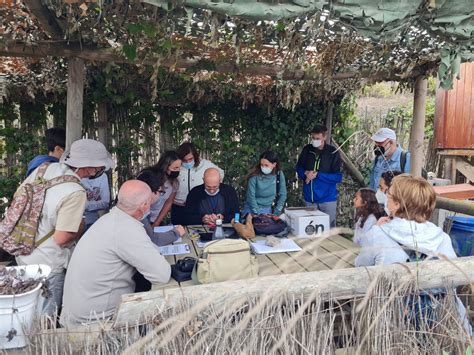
x=384 y=321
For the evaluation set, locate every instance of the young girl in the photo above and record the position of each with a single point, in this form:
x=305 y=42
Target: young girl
x=266 y=186
x=169 y=165
x=368 y=212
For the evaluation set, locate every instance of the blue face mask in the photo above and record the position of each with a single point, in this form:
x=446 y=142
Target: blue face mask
x=189 y=165
x=266 y=170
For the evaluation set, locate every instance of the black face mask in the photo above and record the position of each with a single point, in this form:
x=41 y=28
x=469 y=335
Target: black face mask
x=173 y=174
x=97 y=174
x=378 y=150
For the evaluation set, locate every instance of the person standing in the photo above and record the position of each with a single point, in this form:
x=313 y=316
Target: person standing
x=168 y=165
x=191 y=175
x=56 y=143
x=98 y=198
x=266 y=190
x=319 y=168
x=389 y=156
x=60 y=223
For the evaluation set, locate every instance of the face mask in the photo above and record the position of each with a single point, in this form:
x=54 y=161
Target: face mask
x=97 y=174
x=173 y=174
x=212 y=194
x=146 y=214
x=316 y=143
x=189 y=165
x=266 y=170
x=379 y=151
x=381 y=197
x=385 y=207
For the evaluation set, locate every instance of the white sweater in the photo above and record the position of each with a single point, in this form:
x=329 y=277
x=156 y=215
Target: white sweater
x=190 y=178
x=360 y=232
x=383 y=244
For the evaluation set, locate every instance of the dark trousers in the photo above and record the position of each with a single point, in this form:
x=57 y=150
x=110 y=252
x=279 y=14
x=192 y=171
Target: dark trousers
x=178 y=214
x=141 y=284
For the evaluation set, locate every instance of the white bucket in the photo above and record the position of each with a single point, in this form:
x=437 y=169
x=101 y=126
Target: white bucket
x=26 y=305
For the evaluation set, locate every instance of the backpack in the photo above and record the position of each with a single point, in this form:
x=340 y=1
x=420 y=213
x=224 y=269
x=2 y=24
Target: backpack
x=403 y=163
x=266 y=225
x=19 y=227
x=225 y=259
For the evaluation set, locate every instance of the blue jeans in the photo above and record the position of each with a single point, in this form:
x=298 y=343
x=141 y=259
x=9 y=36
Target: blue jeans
x=329 y=208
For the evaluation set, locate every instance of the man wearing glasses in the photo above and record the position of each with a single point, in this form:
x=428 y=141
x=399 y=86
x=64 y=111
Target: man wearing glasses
x=60 y=224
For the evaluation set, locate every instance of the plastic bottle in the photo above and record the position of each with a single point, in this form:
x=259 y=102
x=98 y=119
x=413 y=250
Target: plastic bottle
x=219 y=231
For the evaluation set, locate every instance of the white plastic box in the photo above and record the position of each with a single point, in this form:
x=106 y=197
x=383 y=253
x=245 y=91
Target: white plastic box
x=307 y=222
x=17 y=312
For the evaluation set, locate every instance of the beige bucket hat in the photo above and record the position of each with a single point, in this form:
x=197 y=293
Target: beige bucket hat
x=87 y=152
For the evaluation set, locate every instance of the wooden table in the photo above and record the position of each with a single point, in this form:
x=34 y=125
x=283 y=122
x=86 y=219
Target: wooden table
x=334 y=252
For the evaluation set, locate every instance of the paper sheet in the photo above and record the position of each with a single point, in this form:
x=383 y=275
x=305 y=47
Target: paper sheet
x=163 y=229
x=287 y=245
x=175 y=249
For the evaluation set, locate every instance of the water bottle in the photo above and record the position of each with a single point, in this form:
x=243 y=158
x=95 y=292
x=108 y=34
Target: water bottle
x=219 y=231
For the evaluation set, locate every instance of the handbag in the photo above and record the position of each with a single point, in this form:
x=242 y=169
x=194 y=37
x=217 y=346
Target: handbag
x=225 y=259
x=270 y=225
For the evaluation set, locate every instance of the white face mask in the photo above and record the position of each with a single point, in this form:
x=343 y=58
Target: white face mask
x=316 y=143
x=266 y=170
x=381 y=197
x=212 y=194
x=385 y=207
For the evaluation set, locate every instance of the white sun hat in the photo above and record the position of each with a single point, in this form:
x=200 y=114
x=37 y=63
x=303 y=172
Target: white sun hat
x=87 y=152
x=383 y=134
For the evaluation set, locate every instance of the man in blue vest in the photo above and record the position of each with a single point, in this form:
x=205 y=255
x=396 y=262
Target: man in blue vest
x=389 y=156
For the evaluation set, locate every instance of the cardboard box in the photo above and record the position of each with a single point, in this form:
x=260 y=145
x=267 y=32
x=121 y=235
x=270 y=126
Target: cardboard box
x=307 y=222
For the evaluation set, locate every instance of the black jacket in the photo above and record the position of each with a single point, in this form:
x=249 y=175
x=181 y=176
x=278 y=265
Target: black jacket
x=198 y=194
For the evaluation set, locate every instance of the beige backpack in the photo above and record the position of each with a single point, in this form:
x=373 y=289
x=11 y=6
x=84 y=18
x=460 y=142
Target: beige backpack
x=226 y=259
x=19 y=227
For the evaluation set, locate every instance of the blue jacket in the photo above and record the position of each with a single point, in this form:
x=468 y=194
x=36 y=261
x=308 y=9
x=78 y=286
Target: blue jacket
x=327 y=163
x=38 y=160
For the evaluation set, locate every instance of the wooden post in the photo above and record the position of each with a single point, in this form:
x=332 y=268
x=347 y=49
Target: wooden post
x=356 y=174
x=329 y=115
x=417 y=134
x=335 y=284
x=102 y=123
x=75 y=93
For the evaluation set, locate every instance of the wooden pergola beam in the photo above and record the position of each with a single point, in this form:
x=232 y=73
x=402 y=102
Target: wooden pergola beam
x=94 y=54
x=45 y=18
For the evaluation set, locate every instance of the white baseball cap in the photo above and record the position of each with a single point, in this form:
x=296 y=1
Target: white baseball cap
x=87 y=152
x=383 y=134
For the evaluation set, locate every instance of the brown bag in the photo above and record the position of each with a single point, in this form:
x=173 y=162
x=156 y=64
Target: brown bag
x=246 y=230
x=19 y=227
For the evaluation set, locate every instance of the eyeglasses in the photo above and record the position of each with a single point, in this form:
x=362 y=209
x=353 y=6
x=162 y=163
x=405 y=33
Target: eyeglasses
x=160 y=191
x=98 y=173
